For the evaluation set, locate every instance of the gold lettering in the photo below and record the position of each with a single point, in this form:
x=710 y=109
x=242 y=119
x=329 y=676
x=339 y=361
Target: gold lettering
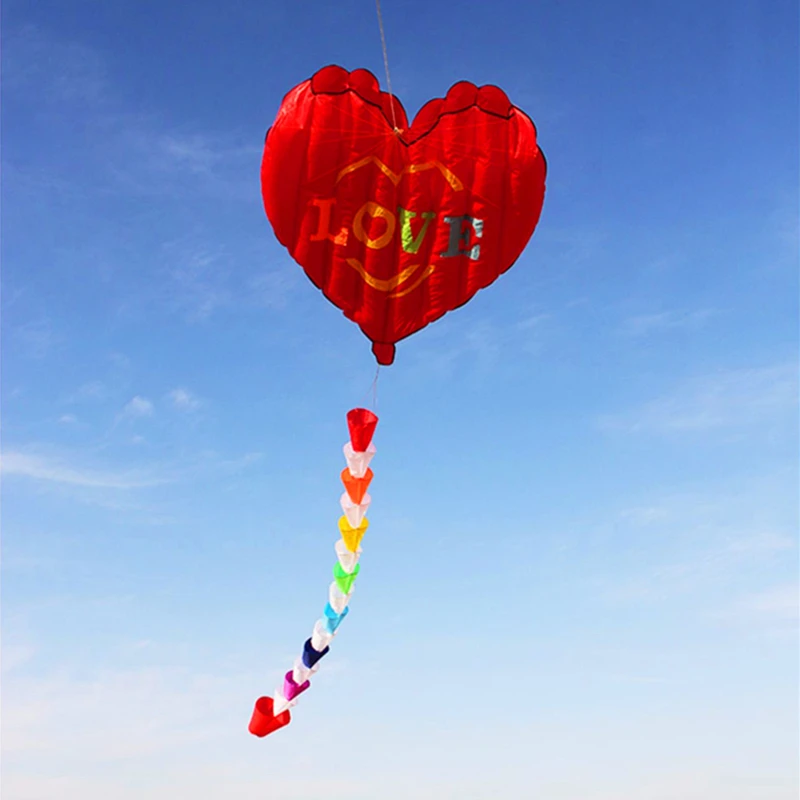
x=325 y=207
x=374 y=210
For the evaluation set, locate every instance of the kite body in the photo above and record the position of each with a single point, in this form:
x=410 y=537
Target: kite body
x=398 y=224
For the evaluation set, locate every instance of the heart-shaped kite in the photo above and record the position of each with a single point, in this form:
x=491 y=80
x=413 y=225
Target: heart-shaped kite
x=399 y=224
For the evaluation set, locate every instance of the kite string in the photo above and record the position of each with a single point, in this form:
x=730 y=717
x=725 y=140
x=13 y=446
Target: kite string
x=386 y=64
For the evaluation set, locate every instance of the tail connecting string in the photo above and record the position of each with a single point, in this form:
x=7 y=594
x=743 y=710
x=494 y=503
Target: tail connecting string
x=373 y=389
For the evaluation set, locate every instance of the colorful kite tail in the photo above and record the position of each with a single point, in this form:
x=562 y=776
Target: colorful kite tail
x=272 y=713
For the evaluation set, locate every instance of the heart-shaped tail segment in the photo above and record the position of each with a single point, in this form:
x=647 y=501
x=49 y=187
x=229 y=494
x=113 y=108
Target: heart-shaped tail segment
x=356 y=486
x=345 y=580
x=264 y=721
x=361 y=422
x=291 y=688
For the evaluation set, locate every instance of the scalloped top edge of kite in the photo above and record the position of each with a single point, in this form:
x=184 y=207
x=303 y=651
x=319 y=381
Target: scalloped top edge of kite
x=336 y=80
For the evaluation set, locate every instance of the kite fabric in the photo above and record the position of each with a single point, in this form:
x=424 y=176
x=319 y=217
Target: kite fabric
x=398 y=224
x=272 y=713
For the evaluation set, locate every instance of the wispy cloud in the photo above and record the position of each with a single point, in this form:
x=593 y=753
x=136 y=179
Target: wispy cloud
x=156 y=709
x=202 y=154
x=709 y=544
x=646 y=324
x=158 y=712
x=199 y=280
x=183 y=400
x=699 y=570
x=762 y=542
x=482 y=344
x=135 y=151
x=271 y=288
x=91 y=390
x=16 y=656
x=29 y=57
x=726 y=399
x=238 y=464
x=779 y=602
x=35 y=338
x=55 y=470
x=645 y=515
x=112 y=385
x=104 y=483
x=774 y=610
x=137 y=407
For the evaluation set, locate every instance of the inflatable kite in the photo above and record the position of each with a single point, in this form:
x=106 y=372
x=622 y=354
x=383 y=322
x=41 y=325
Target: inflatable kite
x=396 y=224
x=399 y=224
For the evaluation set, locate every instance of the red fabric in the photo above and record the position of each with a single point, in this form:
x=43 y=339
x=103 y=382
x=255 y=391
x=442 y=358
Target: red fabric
x=264 y=721
x=335 y=176
x=361 y=424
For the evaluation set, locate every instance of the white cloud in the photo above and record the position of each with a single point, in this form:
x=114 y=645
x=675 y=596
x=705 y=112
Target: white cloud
x=67 y=419
x=183 y=400
x=200 y=153
x=763 y=542
x=36 y=339
x=645 y=324
x=236 y=464
x=199 y=278
x=193 y=152
x=726 y=399
x=644 y=515
x=272 y=288
x=61 y=470
x=181 y=732
x=720 y=541
x=774 y=610
x=30 y=59
x=153 y=708
x=15 y=656
x=56 y=471
x=92 y=390
x=138 y=407
x=779 y=602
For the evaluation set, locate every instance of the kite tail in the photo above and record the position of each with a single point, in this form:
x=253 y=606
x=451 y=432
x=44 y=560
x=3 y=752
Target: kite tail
x=272 y=713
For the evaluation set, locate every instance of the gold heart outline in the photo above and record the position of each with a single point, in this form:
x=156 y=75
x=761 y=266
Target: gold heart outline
x=391 y=284
x=396 y=177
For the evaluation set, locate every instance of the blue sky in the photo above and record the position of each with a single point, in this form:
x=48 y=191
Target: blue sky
x=580 y=577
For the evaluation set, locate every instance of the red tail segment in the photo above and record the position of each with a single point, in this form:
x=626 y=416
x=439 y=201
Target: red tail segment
x=264 y=721
x=361 y=423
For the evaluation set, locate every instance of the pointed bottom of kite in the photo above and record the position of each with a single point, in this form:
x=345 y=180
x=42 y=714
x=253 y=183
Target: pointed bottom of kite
x=384 y=353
